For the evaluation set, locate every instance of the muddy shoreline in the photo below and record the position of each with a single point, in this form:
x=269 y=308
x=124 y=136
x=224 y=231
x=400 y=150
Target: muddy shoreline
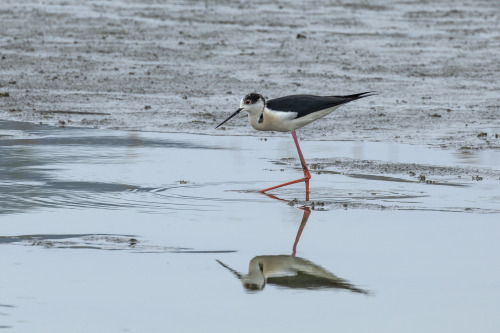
x=183 y=66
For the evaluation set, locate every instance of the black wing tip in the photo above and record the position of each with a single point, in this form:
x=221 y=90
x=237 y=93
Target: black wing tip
x=360 y=95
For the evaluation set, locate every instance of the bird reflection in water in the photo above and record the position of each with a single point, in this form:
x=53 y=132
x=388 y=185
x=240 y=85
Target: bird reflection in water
x=289 y=271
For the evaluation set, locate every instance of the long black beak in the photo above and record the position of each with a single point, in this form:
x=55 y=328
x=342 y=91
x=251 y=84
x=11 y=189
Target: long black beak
x=231 y=116
x=238 y=275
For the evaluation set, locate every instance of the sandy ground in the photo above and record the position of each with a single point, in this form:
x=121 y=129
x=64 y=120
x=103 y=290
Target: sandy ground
x=183 y=66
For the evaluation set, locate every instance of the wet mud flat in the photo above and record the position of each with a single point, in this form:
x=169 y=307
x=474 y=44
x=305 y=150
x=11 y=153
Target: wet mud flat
x=183 y=66
x=145 y=229
x=110 y=222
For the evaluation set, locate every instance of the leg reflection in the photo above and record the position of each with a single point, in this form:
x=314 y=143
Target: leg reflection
x=305 y=217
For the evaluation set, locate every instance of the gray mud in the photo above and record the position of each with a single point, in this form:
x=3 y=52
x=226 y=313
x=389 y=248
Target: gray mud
x=96 y=242
x=415 y=171
x=183 y=66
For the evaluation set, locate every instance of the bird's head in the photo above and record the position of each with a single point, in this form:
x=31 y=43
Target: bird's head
x=252 y=103
x=255 y=280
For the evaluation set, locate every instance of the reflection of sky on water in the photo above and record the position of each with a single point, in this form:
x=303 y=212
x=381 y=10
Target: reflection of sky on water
x=81 y=168
x=36 y=161
x=111 y=223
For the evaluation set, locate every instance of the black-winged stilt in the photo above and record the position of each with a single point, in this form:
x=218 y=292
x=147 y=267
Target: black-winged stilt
x=288 y=113
x=289 y=272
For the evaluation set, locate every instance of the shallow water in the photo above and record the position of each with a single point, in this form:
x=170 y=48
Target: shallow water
x=121 y=231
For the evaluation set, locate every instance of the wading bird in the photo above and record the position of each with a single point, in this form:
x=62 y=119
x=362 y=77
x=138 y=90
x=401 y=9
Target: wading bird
x=288 y=113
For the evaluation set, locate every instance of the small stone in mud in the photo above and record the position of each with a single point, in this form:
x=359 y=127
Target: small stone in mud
x=315 y=166
x=300 y=36
x=147 y=107
x=421 y=178
x=482 y=134
x=133 y=241
x=4 y=94
x=412 y=174
x=315 y=204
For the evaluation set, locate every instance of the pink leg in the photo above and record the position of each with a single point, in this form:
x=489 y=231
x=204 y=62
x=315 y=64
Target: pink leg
x=307 y=175
x=305 y=217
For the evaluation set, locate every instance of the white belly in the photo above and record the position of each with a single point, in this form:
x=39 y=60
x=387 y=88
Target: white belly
x=285 y=121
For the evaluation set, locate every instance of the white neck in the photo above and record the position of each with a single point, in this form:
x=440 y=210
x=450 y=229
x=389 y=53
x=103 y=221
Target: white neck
x=253 y=118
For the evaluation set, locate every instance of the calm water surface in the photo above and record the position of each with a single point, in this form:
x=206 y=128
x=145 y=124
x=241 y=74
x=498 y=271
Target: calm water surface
x=113 y=231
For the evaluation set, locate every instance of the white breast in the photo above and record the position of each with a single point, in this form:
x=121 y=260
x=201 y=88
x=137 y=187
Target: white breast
x=285 y=121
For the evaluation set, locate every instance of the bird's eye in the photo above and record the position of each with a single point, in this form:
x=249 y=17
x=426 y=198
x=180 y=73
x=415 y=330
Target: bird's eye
x=247 y=101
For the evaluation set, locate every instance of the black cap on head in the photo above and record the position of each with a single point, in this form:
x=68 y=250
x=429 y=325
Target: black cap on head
x=253 y=97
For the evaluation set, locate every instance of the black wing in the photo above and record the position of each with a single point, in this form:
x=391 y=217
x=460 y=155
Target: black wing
x=306 y=104
x=307 y=281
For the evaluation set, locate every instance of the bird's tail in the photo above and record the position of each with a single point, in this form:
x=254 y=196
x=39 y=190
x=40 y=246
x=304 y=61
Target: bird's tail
x=339 y=100
x=354 y=97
